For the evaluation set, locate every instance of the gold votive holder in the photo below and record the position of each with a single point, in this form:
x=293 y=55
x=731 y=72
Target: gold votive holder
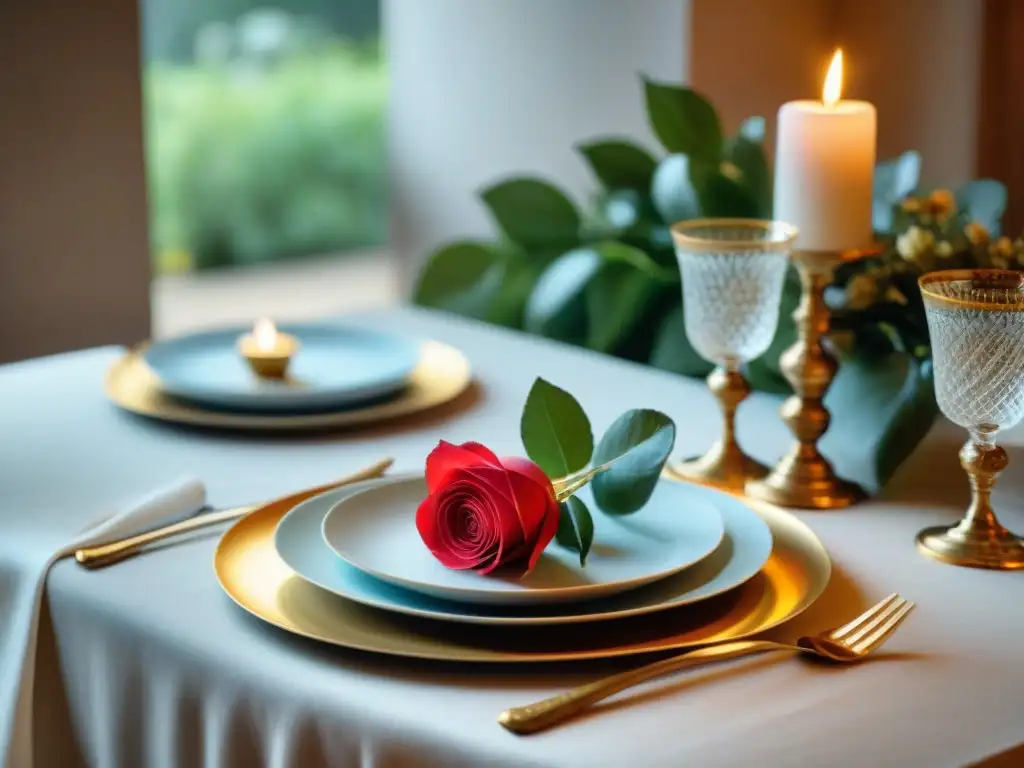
x=269 y=361
x=804 y=478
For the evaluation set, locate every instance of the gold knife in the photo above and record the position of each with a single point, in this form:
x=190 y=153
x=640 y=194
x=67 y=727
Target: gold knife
x=115 y=551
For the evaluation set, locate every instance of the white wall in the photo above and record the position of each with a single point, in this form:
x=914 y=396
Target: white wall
x=485 y=88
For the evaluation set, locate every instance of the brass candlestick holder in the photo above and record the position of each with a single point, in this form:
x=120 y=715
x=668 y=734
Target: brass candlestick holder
x=804 y=478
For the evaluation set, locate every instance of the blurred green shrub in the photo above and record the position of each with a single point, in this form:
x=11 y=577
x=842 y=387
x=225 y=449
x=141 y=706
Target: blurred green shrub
x=252 y=161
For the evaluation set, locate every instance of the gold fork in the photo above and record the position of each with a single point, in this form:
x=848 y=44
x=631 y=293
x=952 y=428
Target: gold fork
x=848 y=643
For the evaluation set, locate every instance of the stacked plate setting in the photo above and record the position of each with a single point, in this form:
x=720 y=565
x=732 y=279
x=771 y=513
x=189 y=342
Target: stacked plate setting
x=693 y=566
x=341 y=375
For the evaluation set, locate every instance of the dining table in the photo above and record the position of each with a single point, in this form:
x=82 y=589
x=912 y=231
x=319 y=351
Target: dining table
x=149 y=663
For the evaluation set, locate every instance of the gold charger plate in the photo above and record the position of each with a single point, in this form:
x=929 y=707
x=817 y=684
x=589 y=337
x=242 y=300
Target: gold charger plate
x=254 y=576
x=441 y=375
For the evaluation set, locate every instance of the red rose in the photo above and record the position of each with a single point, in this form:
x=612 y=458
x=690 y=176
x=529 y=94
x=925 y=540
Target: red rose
x=483 y=512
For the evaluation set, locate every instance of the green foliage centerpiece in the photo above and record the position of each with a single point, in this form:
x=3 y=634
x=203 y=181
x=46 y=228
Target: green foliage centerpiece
x=606 y=277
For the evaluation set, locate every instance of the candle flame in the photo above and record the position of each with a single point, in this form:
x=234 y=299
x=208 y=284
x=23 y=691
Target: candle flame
x=833 y=89
x=265 y=334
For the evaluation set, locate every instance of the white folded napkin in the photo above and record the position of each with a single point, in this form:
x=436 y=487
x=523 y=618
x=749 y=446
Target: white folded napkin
x=19 y=612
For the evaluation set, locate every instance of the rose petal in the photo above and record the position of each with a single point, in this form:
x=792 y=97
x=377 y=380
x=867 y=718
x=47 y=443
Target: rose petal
x=482 y=451
x=427 y=525
x=445 y=459
x=532 y=491
x=547 y=533
x=494 y=519
x=528 y=468
x=491 y=477
x=535 y=499
x=458 y=516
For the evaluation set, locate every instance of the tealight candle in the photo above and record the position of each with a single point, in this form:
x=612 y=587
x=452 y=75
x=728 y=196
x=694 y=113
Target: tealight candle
x=824 y=168
x=267 y=350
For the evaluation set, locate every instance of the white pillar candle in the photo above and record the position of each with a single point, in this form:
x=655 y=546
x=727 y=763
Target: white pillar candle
x=824 y=167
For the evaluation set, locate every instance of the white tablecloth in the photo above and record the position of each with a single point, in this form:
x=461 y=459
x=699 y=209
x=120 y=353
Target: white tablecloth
x=149 y=664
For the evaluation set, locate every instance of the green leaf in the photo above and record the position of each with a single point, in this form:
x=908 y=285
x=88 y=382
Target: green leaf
x=508 y=303
x=640 y=442
x=911 y=421
x=749 y=158
x=684 y=121
x=672 y=191
x=601 y=282
x=881 y=410
x=673 y=351
x=555 y=430
x=620 y=164
x=721 y=195
x=557 y=307
x=533 y=213
x=614 y=297
x=452 y=271
x=894 y=180
x=575 y=527
x=984 y=201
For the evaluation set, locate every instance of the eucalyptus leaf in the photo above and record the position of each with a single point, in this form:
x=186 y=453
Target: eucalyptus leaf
x=508 y=303
x=749 y=158
x=753 y=129
x=534 y=214
x=673 y=350
x=683 y=120
x=555 y=431
x=881 y=410
x=894 y=180
x=453 y=270
x=557 y=307
x=672 y=192
x=614 y=297
x=575 y=527
x=601 y=282
x=478 y=281
x=623 y=209
x=983 y=201
x=620 y=164
x=721 y=195
x=639 y=442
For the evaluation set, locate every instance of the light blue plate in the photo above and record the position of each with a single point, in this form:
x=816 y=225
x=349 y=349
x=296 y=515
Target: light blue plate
x=744 y=549
x=375 y=531
x=337 y=366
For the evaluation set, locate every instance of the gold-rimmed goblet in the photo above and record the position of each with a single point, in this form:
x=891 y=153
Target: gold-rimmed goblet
x=976 y=325
x=732 y=271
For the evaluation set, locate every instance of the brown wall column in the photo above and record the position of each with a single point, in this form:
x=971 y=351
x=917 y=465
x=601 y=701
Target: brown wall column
x=74 y=253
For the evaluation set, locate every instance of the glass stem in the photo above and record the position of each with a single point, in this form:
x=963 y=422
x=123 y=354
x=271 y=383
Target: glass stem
x=731 y=389
x=983 y=460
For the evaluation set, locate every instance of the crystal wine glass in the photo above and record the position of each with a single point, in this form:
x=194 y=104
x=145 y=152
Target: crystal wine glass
x=732 y=271
x=976 y=324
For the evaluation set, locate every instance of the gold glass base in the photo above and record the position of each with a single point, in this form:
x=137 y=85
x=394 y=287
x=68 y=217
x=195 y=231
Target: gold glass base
x=958 y=546
x=728 y=470
x=725 y=466
x=979 y=540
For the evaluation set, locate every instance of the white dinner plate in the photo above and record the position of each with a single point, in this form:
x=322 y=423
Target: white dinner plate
x=337 y=366
x=375 y=531
x=745 y=547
